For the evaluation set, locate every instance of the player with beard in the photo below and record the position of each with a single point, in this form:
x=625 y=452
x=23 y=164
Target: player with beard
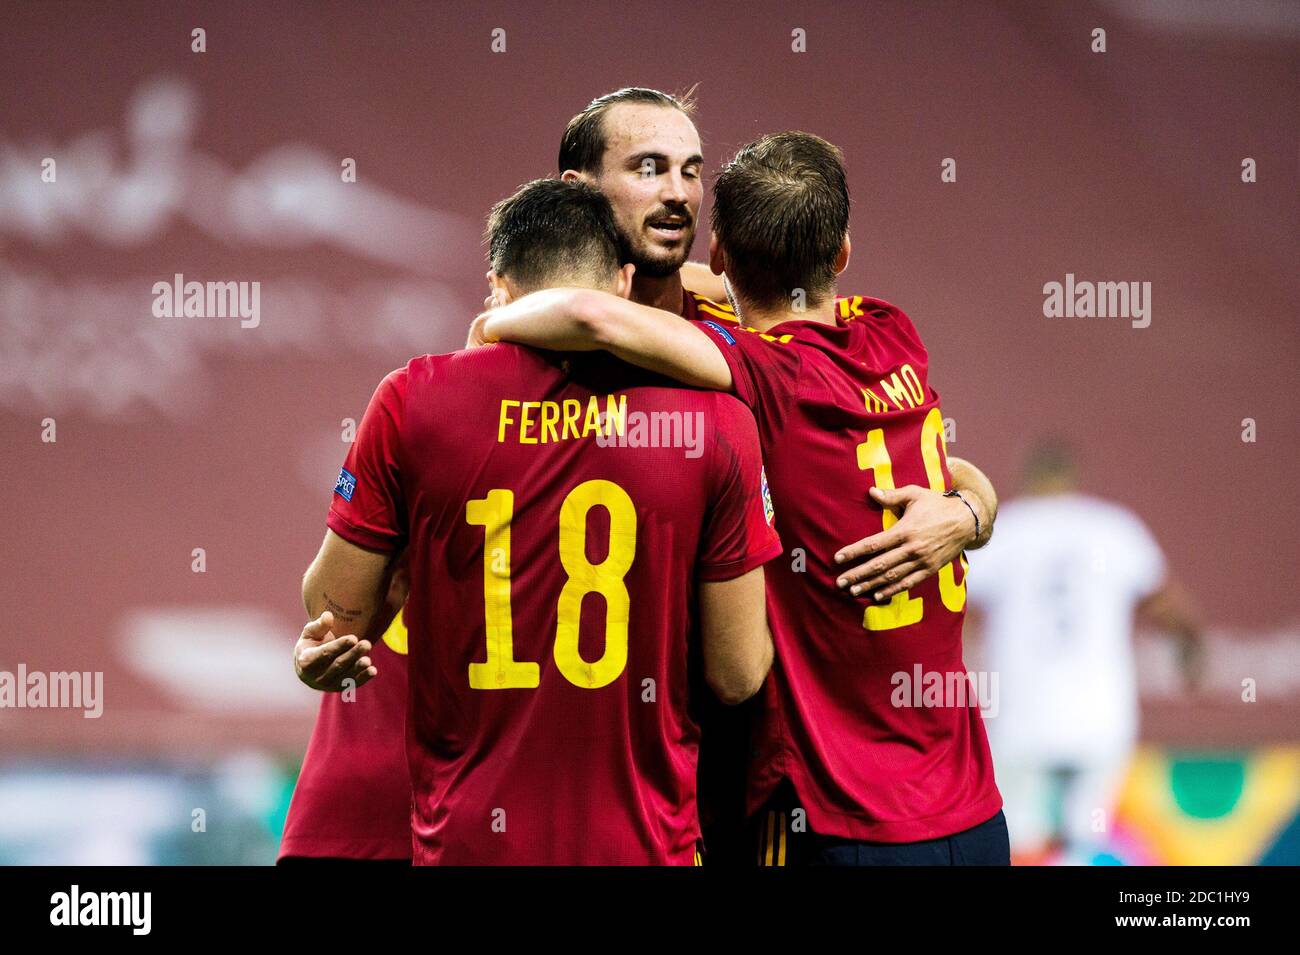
x=840 y=391
x=641 y=148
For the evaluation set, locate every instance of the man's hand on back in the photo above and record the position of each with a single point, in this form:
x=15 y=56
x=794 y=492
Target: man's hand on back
x=932 y=531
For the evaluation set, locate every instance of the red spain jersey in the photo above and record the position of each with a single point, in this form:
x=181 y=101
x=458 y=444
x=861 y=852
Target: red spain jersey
x=847 y=717
x=357 y=747
x=693 y=304
x=353 y=797
x=557 y=513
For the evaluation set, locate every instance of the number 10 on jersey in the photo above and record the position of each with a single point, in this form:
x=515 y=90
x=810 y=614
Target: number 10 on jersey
x=904 y=609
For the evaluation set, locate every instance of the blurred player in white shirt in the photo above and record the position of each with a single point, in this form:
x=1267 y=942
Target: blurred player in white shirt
x=1058 y=589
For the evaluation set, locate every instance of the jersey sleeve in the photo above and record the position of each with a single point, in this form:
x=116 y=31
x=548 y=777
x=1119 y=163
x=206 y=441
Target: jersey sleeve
x=368 y=507
x=1144 y=561
x=764 y=368
x=738 y=533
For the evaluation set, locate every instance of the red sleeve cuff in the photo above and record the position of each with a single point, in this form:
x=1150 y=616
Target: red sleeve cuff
x=728 y=350
x=738 y=568
x=361 y=536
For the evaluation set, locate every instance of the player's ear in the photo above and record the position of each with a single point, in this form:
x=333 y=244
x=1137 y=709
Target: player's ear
x=717 y=263
x=623 y=288
x=572 y=175
x=842 y=259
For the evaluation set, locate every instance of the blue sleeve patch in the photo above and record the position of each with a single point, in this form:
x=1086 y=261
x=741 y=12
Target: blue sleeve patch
x=769 y=511
x=726 y=335
x=347 y=484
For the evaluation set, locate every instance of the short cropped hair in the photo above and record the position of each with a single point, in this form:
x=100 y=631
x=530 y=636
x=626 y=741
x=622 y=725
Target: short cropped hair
x=550 y=232
x=583 y=146
x=781 y=212
x=1049 y=458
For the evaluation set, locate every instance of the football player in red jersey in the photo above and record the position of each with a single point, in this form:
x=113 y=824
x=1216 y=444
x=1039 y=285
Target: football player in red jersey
x=557 y=569
x=852 y=763
x=352 y=801
x=641 y=149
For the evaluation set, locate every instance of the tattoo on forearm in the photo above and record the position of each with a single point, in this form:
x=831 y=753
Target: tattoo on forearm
x=343 y=613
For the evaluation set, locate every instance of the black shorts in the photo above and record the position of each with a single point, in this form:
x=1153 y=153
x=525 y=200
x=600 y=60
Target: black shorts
x=780 y=835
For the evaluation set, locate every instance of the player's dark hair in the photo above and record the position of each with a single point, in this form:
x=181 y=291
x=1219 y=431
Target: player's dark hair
x=583 y=146
x=550 y=231
x=1049 y=458
x=781 y=212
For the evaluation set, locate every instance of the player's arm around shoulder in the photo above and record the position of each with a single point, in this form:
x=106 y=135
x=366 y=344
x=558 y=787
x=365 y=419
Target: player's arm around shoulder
x=575 y=319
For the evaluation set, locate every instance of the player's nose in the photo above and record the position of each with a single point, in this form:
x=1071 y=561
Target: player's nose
x=674 y=189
